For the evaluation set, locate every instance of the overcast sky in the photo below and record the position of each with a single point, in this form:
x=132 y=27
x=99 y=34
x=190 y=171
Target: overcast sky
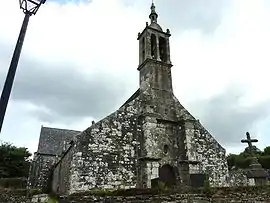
x=79 y=63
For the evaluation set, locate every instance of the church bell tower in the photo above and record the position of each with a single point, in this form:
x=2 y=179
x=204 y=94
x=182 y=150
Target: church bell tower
x=154 y=56
x=160 y=132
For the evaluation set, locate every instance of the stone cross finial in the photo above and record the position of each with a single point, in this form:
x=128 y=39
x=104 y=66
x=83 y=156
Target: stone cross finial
x=249 y=141
x=153 y=15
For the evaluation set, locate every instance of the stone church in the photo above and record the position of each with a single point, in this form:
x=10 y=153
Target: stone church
x=150 y=139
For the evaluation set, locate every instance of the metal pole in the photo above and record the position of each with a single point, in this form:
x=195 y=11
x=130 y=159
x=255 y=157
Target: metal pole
x=12 y=70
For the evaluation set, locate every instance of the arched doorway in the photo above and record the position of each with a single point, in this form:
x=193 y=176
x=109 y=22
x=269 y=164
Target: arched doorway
x=167 y=175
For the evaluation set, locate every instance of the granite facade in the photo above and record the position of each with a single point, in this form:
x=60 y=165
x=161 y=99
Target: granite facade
x=104 y=155
x=210 y=155
x=126 y=149
x=150 y=139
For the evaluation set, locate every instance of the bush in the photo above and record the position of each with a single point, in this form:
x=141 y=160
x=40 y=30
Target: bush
x=14 y=161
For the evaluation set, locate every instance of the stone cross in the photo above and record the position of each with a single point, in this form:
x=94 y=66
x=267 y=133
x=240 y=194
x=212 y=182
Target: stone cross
x=249 y=141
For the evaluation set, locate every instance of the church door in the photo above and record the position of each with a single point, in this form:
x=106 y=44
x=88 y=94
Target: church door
x=167 y=175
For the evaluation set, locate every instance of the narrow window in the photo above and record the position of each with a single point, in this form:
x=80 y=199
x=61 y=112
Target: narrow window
x=143 y=49
x=165 y=149
x=153 y=46
x=163 y=49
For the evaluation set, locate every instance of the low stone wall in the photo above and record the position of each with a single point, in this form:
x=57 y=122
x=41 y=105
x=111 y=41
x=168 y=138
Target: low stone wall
x=169 y=199
x=43 y=198
x=22 y=196
x=220 y=195
x=238 y=178
x=217 y=195
x=13 y=196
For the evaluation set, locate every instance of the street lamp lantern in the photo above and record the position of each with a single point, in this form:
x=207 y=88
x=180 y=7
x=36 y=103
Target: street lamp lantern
x=29 y=7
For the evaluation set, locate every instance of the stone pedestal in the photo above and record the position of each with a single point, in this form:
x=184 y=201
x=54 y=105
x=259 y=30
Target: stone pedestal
x=257 y=173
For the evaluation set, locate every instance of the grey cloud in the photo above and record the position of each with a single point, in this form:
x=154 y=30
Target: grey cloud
x=73 y=1
x=66 y=93
x=180 y=15
x=227 y=118
x=194 y=14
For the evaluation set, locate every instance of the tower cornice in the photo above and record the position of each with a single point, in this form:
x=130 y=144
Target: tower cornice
x=149 y=60
x=167 y=33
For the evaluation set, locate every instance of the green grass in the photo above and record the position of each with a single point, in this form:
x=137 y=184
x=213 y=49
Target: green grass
x=52 y=200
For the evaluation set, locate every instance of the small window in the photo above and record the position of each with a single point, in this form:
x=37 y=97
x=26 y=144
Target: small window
x=166 y=111
x=165 y=149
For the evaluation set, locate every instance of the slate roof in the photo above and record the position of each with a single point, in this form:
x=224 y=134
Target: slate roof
x=51 y=140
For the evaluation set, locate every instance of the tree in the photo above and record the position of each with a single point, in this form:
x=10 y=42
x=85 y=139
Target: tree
x=231 y=159
x=265 y=161
x=246 y=152
x=243 y=159
x=14 y=161
x=266 y=151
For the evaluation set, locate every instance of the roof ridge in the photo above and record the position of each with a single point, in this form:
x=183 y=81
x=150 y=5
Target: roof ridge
x=44 y=127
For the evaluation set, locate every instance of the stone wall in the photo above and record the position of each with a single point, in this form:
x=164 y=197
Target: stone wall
x=13 y=196
x=210 y=154
x=201 y=147
x=172 y=199
x=104 y=154
x=160 y=150
x=61 y=173
x=41 y=198
x=217 y=195
x=222 y=195
x=126 y=149
x=53 y=143
x=167 y=123
x=151 y=137
x=21 y=196
x=237 y=177
x=40 y=170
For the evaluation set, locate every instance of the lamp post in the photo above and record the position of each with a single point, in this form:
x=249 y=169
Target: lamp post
x=29 y=7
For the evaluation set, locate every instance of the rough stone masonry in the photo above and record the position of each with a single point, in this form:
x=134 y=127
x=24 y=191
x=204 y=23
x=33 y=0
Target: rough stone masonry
x=150 y=139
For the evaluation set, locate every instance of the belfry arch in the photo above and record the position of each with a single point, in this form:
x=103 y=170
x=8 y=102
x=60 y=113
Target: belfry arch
x=153 y=46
